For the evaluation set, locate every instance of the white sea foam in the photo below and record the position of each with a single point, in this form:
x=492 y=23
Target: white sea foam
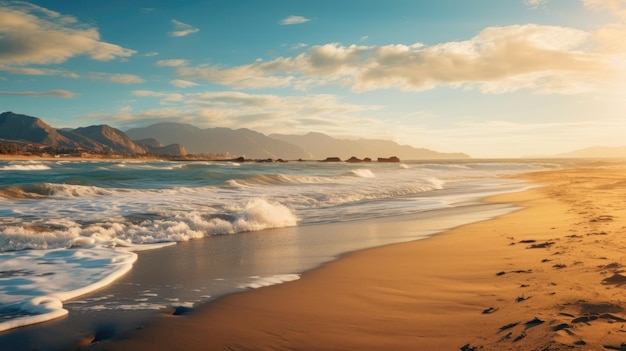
x=260 y=214
x=259 y=282
x=363 y=173
x=36 y=282
x=180 y=225
x=127 y=307
x=275 y=179
x=24 y=167
x=66 y=190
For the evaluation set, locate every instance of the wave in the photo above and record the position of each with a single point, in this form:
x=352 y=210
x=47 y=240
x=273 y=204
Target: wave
x=252 y=215
x=275 y=179
x=362 y=173
x=25 y=167
x=42 y=190
x=285 y=179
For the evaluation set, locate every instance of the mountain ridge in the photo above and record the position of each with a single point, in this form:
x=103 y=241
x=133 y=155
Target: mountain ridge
x=30 y=132
x=321 y=145
x=219 y=141
x=182 y=139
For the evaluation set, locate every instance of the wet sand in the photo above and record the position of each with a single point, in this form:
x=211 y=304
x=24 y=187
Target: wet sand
x=548 y=277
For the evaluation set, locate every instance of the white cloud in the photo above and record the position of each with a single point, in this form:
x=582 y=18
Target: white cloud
x=165 y=97
x=543 y=59
x=51 y=93
x=35 y=35
x=182 y=29
x=31 y=71
x=247 y=76
x=116 y=78
x=110 y=77
x=299 y=46
x=180 y=83
x=171 y=63
x=610 y=39
x=617 y=7
x=534 y=3
x=294 y=20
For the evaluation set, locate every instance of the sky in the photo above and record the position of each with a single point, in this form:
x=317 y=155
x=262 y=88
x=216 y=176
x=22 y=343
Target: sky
x=491 y=78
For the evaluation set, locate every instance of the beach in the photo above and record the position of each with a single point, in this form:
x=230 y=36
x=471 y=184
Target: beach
x=546 y=277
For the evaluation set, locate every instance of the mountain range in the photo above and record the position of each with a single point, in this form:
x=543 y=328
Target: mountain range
x=101 y=139
x=220 y=141
x=321 y=145
x=180 y=139
x=21 y=132
x=251 y=144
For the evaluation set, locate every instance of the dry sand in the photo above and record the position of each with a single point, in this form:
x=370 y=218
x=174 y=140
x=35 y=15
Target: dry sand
x=548 y=277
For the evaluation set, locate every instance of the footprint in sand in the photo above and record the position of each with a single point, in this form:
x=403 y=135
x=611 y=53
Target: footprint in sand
x=490 y=310
x=615 y=279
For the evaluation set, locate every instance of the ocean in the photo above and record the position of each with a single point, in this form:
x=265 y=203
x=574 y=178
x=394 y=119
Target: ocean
x=69 y=229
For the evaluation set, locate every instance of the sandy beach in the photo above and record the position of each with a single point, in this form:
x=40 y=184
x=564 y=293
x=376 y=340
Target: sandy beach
x=547 y=277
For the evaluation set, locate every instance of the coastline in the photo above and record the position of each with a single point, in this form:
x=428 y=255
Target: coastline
x=254 y=257
x=543 y=277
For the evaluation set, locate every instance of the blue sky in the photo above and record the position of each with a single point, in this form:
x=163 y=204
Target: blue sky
x=491 y=78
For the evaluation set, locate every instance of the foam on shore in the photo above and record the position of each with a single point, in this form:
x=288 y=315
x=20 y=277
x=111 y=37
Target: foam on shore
x=35 y=283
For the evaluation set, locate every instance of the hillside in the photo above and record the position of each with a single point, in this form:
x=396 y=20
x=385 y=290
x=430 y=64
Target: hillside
x=31 y=133
x=112 y=138
x=321 y=145
x=224 y=141
x=18 y=127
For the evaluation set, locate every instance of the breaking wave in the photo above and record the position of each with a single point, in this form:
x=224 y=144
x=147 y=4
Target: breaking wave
x=275 y=179
x=24 y=167
x=41 y=190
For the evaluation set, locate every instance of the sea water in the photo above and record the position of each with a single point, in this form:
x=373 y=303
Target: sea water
x=69 y=228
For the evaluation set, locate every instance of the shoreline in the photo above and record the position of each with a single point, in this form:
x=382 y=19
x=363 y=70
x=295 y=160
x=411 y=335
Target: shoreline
x=82 y=326
x=545 y=276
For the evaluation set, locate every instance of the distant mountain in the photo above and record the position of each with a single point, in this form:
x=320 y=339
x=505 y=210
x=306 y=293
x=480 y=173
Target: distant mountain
x=18 y=127
x=240 y=142
x=155 y=147
x=321 y=146
x=113 y=138
x=597 y=152
x=149 y=142
x=21 y=131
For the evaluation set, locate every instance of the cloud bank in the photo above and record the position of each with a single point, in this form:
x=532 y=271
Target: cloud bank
x=35 y=35
x=287 y=114
x=543 y=59
x=617 y=7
